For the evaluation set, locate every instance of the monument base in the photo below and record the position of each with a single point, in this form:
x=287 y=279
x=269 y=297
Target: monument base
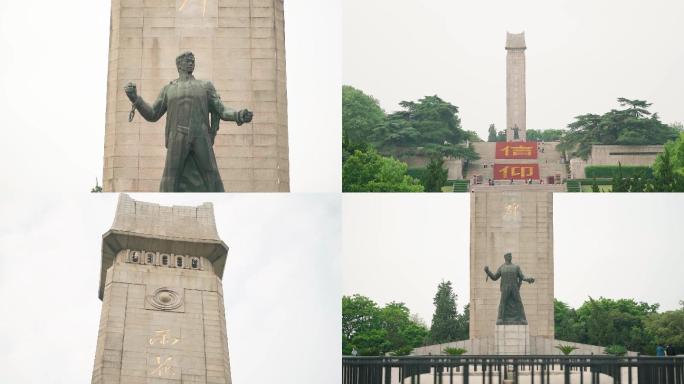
x=512 y=340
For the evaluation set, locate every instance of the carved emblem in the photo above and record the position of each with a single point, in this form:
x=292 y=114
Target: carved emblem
x=165 y=299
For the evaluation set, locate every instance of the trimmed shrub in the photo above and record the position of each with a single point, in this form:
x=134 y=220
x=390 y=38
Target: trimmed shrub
x=610 y=171
x=615 y=350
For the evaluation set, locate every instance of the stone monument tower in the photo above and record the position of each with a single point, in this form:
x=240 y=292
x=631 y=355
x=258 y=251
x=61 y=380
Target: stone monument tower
x=515 y=87
x=239 y=45
x=162 y=301
x=516 y=219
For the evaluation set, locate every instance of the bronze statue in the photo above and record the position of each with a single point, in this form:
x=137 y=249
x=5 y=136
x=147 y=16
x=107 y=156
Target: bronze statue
x=511 y=309
x=190 y=161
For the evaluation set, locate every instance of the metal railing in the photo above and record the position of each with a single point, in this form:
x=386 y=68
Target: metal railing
x=543 y=369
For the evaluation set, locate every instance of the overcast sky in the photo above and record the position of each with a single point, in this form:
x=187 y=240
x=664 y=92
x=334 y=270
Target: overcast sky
x=581 y=55
x=54 y=77
x=281 y=284
x=400 y=247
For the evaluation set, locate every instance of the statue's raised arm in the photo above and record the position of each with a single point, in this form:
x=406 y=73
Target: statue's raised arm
x=493 y=276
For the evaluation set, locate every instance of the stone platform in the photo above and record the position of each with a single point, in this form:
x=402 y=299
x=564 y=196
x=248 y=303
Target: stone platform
x=512 y=340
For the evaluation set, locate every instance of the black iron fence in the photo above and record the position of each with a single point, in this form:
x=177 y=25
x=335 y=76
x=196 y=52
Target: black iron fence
x=594 y=369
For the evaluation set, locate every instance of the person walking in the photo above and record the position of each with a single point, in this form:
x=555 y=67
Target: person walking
x=660 y=351
x=669 y=350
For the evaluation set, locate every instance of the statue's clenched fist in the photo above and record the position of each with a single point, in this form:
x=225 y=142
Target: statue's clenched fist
x=244 y=116
x=131 y=92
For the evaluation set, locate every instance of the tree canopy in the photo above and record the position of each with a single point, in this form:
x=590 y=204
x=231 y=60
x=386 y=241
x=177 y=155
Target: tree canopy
x=544 y=134
x=634 y=124
x=361 y=114
x=375 y=331
x=429 y=126
x=634 y=325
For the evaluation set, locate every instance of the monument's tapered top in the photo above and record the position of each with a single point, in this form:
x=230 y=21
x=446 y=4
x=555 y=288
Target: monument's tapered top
x=176 y=229
x=515 y=40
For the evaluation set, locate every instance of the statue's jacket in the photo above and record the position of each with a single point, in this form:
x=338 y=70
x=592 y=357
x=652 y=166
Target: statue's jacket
x=189 y=133
x=189 y=104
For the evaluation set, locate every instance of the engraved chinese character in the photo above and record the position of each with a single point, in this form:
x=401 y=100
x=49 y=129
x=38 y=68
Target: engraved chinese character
x=522 y=151
x=163 y=367
x=520 y=172
x=163 y=337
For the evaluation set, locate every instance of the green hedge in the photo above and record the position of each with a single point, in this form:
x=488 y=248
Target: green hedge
x=591 y=181
x=610 y=171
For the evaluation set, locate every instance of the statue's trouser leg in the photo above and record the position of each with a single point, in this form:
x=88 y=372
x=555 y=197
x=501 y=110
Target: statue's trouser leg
x=206 y=163
x=177 y=151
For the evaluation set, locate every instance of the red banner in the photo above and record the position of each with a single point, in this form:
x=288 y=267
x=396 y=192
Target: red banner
x=516 y=150
x=516 y=171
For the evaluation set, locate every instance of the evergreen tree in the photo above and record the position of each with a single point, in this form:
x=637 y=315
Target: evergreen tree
x=435 y=175
x=445 y=321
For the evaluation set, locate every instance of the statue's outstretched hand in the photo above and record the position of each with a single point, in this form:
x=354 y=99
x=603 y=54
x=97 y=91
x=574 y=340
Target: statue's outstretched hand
x=486 y=268
x=530 y=280
x=244 y=116
x=131 y=92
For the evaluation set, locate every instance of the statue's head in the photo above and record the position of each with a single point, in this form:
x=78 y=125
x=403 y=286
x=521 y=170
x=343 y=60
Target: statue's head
x=185 y=62
x=508 y=257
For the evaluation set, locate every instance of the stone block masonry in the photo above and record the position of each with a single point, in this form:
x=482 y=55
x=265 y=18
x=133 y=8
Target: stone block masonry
x=162 y=317
x=240 y=46
x=516 y=219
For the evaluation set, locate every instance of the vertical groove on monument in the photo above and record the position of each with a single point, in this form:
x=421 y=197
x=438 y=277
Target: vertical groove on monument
x=163 y=318
x=515 y=86
x=519 y=221
x=239 y=45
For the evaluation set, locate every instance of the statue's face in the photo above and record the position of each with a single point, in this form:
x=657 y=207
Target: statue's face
x=187 y=64
x=508 y=257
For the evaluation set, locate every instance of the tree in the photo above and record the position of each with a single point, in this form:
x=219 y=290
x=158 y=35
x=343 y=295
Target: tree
x=566 y=324
x=361 y=114
x=668 y=169
x=361 y=325
x=429 y=126
x=435 y=175
x=492 y=133
x=544 y=135
x=666 y=328
x=369 y=172
x=616 y=322
x=375 y=331
x=633 y=125
x=447 y=325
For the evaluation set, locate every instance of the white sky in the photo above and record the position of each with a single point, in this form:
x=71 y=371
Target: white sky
x=581 y=55
x=281 y=284
x=400 y=247
x=54 y=76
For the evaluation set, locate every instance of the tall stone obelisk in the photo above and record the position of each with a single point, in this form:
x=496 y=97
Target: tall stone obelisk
x=240 y=46
x=516 y=219
x=162 y=316
x=515 y=86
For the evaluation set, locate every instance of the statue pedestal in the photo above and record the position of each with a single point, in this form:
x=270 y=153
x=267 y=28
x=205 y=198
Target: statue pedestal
x=512 y=340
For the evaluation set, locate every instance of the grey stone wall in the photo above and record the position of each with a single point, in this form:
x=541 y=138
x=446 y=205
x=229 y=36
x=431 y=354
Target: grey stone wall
x=240 y=46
